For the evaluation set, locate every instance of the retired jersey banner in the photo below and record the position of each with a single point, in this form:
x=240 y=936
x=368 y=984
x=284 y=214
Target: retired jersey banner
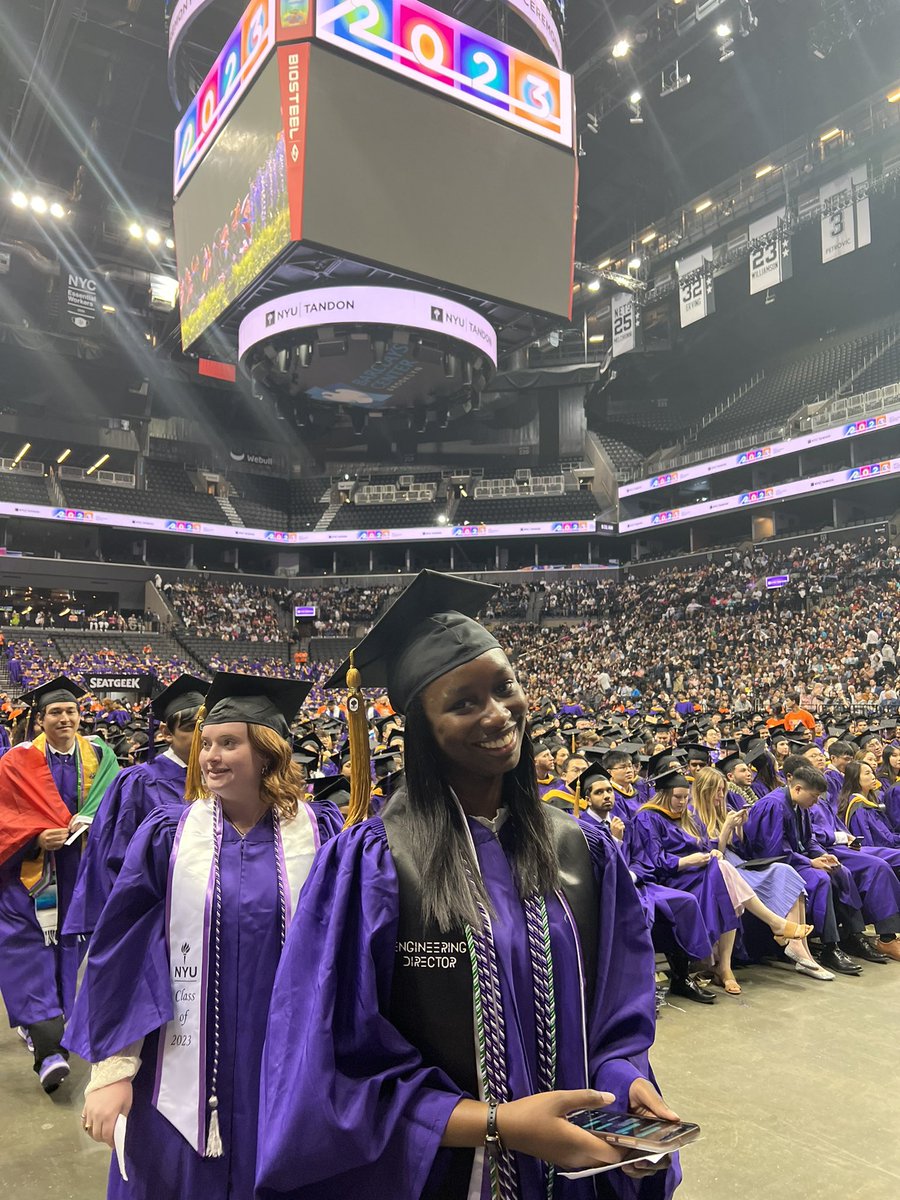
x=696 y=297
x=626 y=323
x=770 y=252
x=845 y=214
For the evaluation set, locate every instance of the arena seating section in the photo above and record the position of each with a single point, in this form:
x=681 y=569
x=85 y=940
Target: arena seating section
x=16 y=488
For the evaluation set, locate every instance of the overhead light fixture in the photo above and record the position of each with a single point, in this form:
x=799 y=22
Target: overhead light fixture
x=601 y=266
x=621 y=48
x=634 y=264
x=635 y=98
x=99 y=463
x=57 y=211
x=19 y=200
x=764 y=171
x=596 y=338
x=723 y=29
x=649 y=237
x=594 y=285
x=170 y=243
x=21 y=454
x=38 y=205
x=671 y=80
x=108 y=308
x=703 y=206
x=830 y=135
x=62 y=458
x=153 y=237
x=135 y=230
x=893 y=97
x=634 y=107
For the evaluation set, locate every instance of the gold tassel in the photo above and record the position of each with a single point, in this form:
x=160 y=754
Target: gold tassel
x=193 y=783
x=360 y=768
x=573 y=744
x=576 y=809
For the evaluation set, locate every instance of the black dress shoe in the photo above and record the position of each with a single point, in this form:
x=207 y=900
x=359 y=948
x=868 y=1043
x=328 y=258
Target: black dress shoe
x=833 y=958
x=861 y=947
x=689 y=989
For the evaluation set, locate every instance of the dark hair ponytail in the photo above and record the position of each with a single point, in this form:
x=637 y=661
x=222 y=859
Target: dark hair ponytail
x=438 y=835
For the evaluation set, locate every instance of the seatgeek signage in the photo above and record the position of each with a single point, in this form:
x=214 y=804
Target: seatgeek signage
x=232 y=533
x=397 y=307
x=779 y=491
x=745 y=458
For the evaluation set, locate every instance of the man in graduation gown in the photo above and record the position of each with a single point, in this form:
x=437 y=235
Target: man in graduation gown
x=134 y=794
x=372 y=1045
x=562 y=794
x=49 y=788
x=779 y=824
x=544 y=765
x=620 y=765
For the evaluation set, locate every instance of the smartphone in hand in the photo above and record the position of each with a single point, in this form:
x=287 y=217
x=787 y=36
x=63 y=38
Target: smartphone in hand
x=649 y=1134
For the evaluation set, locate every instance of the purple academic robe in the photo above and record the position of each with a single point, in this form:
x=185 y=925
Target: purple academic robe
x=777 y=827
x=625 y=805
x=4 y=740
x=126 y=995
x=873 y=867
x=892 y=806
x=871 y=826
x=654 y=844
x=131 y=797
x=350 y=1108
x=38 y=981
x=835 y=781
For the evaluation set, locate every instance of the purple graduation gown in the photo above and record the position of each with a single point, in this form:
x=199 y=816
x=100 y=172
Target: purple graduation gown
x=872 y=827
x=126 y=995
x=4 y=740
x=131 y=797
x=348 y=1105
x=38 y=981
x=625 y=805
x=892 y=806
x=775 y=827
x=654 y=845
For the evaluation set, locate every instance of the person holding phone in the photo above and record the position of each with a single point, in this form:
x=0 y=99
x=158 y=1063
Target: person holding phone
x=465 y=968
x=860 y=809
x=172 y=1008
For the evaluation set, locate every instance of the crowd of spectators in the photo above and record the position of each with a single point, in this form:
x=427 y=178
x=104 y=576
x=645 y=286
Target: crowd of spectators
x=31 y=663
x=232 y=611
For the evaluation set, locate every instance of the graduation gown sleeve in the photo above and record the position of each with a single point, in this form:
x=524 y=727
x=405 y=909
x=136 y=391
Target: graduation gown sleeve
x=128 y=955
x=649 y=859
x=347 y=1106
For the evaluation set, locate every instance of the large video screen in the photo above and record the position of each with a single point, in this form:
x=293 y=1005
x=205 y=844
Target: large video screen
x=233 y=216
x=402 y=177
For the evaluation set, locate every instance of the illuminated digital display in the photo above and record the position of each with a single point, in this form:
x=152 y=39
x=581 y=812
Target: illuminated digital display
x=244 y=53
x=822 y=437
x=435 y=50
x=780 y=491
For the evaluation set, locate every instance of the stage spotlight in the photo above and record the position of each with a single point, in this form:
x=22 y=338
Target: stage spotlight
x=634 y=107
x=153 y=237
x=170 y=243
x=621 y=48
x=442 y=519
x=671 y=80
x=38 y=205
x=135 y=230
x=634 y=264
x=19 y=200
x=594 y=285
x=726 y=41
x=723 y=29
x=57 y=211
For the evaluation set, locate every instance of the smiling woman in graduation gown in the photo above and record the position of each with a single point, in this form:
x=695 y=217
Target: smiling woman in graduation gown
x=394 y=1016
x=182 y=961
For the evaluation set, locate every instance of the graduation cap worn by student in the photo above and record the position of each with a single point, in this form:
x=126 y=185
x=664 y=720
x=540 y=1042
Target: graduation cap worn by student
x=185 y=693
x=588 y=778
x=427 y=632
x=251 y=699
x=729 y=762
x=669 y=780
x=61 y=690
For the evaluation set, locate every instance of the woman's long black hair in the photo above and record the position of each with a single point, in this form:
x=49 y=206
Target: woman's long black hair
x=438 y=837
x=765 y=770
x=851 y=787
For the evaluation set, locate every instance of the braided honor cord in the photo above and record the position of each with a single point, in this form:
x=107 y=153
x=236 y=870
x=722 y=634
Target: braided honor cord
x=538 y=925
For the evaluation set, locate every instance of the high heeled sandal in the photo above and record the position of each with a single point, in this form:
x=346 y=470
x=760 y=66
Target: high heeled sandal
x=793 y=932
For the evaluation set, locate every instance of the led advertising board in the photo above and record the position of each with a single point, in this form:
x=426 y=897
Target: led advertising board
x=778 y=491
x=230 y=76
x=464 y=64
x=745 y=458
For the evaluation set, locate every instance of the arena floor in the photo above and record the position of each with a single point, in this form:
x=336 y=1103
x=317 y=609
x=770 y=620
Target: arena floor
x=794 y=1084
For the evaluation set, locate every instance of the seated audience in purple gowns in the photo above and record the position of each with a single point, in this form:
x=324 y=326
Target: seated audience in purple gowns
x=172 y=1009
x=466 y=914
x=860 y=808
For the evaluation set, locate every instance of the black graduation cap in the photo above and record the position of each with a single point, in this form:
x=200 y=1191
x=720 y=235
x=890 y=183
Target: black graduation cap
x=255 y=699
x=838 y=731
x=661 y=757
x=331 y=787
x=588 y=778
x=865 y=738
x=341 y=756
x=426 y=632
x=695 y=750
x=670 y=779
x=630 y=747
x=776 y=728
x=186 y=692
x=753 y=749
x=729 y=762
x=888 y=726
x=58 y=691
x=383 y=762
x=794 y=740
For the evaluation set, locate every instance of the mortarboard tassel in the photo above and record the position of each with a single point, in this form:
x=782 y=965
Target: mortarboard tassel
x=573 y=744
x=193 y=783
x=576 y=812
x=358 y=731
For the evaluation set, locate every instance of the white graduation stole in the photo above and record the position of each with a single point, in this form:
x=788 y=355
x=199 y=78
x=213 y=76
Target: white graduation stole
x=181 y=1075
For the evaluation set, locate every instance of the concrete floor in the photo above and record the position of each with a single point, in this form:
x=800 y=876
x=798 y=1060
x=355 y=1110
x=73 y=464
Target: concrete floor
x=794 y=1084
